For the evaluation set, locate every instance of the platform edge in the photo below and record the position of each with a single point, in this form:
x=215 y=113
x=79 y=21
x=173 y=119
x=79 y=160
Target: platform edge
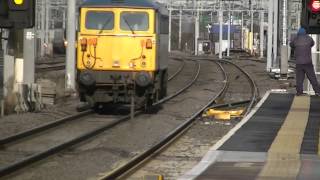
x=213 y=154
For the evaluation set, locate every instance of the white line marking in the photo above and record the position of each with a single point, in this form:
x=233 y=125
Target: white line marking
x=212 y=155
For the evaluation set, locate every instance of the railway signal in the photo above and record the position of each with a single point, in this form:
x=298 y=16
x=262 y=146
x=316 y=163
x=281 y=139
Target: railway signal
x=17 y=13
x=314 y=6
x=310 y=16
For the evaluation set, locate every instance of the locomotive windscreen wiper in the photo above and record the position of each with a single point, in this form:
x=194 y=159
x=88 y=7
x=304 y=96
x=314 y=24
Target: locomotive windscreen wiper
x=128 y=24
x=104 y=25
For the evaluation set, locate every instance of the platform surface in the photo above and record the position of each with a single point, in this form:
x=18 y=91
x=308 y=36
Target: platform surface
x=278 y=140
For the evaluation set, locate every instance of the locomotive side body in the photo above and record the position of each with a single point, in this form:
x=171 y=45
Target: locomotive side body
x=122 y=51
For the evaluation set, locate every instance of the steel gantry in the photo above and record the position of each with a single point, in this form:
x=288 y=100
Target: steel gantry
x=268 y=25
x=227 y=12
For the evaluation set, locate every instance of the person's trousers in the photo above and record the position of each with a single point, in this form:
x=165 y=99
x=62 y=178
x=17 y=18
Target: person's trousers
x=301 y=71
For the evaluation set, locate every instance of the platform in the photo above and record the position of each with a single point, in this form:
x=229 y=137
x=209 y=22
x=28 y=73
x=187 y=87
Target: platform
x=278 y=140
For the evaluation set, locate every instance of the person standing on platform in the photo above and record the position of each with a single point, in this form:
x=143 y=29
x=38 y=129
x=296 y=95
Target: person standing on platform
x=302 y=45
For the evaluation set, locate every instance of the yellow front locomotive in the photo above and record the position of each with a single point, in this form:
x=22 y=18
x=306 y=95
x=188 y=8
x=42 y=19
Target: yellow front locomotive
x=122 y=51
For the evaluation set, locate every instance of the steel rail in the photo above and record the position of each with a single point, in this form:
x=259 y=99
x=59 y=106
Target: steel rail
x=245 y=58
x=254 y=87
x=41 y=128
x=183 y=89
x=50 y=68
x=133 y=163
x=178 y=71
x=292 y=65
x=44 y=154
x=48 y=62
x=232 y=104
x=254 y=97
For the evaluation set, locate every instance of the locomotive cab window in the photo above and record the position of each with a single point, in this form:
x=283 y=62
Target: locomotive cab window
x=134 y=21
x=100 y=20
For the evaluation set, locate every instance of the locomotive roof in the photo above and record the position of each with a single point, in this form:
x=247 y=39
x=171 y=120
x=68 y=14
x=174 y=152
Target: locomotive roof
x=126 y=3
x=121 y=3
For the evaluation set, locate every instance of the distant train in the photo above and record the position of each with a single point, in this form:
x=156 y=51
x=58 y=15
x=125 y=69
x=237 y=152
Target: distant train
x=122 y=50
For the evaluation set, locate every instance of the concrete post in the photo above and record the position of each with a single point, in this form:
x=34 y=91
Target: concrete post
x=71 y=56
x=64 y=20
x=289 y=29
x=242 y=38
x=220 y=31
x=261 y=33
x=284 y=22
x=251 y=29
x=21 y=47
x=229 y=27
x=284 y=61
x=29 y=55
x=170 y=25
x=275 y=33
x=42 y=29
x=284 y=47
x=46 y=34
x=270 y=33
x=8 y=84
x=180 y=28
x=196 y=37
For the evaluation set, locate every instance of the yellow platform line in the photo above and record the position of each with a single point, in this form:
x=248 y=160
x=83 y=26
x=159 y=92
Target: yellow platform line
x=284 y=154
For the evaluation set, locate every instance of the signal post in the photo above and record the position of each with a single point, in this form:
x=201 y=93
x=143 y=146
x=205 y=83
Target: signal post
x=18 y=16
x=310 y=20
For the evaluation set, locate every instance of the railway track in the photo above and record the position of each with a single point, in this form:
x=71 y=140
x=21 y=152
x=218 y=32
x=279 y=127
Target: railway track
x=189 y=84
x=63 y=120
x=36 y=130
x=45 y=68
x=6 y=142
x=254 y=88
x=51 y=65
x=137 y=161
x=182 y=65
x=255 y=91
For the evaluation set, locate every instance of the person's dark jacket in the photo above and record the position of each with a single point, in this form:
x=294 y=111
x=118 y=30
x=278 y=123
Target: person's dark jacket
x=302 y=45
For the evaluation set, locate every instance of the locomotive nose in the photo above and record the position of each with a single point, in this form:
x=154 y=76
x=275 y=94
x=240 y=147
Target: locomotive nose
x=143 y=79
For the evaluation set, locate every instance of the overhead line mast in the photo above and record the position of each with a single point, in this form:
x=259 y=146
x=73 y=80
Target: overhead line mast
x=71 y=52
